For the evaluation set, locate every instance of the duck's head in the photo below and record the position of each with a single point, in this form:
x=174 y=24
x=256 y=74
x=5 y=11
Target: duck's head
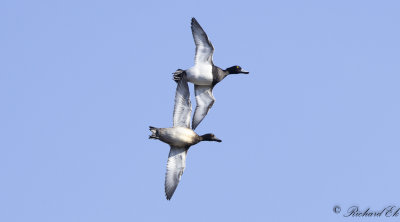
x=236 y=70
x=210 y=137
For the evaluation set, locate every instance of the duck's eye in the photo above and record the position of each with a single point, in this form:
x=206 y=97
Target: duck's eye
x=237 y=67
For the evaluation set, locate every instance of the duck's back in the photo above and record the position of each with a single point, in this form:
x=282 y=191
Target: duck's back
x=178 y=136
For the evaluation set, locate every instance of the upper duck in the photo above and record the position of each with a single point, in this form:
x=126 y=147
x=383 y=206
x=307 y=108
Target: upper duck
x=204 y=74
x=180 y=137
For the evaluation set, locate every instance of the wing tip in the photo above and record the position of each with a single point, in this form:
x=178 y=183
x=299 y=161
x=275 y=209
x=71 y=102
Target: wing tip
x=195 y=22
x=169 y=193
x=168 y=197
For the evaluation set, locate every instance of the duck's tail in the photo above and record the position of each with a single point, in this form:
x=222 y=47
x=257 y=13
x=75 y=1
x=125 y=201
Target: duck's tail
x=154 y=134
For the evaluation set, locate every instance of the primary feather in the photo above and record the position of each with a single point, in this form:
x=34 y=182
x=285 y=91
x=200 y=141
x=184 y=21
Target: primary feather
x=204 y=48
x=175 y=167
x=183 y=106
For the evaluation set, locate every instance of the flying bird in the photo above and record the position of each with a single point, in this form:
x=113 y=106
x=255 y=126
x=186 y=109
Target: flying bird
x=180 y=137
x=204 y=74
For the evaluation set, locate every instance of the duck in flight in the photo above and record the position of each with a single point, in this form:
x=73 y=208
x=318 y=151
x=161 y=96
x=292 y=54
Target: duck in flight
x=180 y=137
x=204 y=74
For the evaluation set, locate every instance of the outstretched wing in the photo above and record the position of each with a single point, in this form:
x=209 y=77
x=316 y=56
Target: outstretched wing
x=183 y=106
x=175 y=167
x=204 y=48
x=204 y=102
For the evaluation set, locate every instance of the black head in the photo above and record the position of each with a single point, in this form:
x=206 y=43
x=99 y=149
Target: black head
x=210 y=137
x=236 y=70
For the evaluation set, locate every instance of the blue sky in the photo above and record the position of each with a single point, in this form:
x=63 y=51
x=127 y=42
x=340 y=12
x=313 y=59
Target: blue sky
x=315 y=124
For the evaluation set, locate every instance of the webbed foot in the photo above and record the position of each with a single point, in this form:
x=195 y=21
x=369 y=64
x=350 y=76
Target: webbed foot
x=154 y=134
x=177 y=75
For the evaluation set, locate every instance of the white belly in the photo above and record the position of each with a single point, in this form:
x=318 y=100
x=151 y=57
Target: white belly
x=178 y=136
x=200 y=74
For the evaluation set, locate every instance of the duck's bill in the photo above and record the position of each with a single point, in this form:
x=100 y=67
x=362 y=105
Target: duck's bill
x=218 y=140
x=244 y=71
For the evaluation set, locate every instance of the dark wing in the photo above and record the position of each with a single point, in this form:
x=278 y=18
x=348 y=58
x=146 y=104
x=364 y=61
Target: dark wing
x=204 y=48
x=204 y=102
x=175 y=167
x=183 y=106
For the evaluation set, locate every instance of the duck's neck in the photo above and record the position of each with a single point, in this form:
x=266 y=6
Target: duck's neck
x=226 y=73
x=218 y=75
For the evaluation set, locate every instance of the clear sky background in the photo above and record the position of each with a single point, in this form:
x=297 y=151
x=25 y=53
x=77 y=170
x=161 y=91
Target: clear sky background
x=315 y=124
